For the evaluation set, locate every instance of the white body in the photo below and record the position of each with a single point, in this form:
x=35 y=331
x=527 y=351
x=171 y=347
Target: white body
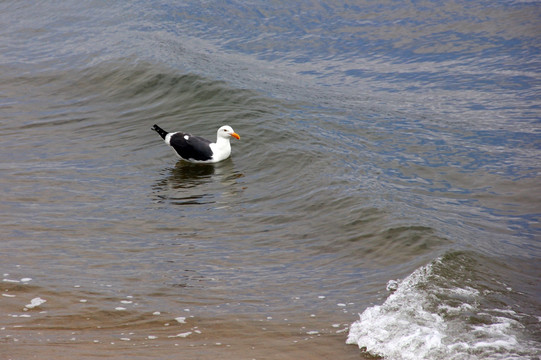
x=221 y=149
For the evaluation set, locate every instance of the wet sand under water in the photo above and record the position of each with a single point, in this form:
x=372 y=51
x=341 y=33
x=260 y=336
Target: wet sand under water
x=240 y=339
x=62 y=325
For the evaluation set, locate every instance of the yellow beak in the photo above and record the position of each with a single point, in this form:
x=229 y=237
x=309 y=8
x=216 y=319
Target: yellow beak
x=236 y=136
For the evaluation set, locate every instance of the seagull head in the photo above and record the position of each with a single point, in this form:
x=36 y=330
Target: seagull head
x=226 y=132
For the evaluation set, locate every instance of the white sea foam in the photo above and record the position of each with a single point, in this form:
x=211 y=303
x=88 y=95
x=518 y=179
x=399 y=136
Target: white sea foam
x=35 y=302
x=11 y=281
x=182 y=335
x=392 y=285
x=424 y=319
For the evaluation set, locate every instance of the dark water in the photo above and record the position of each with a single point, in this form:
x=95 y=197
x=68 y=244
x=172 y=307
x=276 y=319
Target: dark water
x=379 y=141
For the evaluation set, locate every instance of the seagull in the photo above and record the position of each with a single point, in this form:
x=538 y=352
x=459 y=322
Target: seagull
x=197 y=149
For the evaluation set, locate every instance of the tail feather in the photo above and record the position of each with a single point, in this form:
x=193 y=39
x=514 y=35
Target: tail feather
x=160 y=131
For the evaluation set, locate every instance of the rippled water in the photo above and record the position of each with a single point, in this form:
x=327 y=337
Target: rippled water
x=383 y=145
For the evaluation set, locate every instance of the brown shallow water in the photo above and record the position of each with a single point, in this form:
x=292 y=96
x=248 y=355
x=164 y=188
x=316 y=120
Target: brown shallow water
x=76 y=326
x=219 y=338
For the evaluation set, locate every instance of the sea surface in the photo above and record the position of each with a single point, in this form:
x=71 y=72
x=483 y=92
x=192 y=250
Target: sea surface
x=384 y=200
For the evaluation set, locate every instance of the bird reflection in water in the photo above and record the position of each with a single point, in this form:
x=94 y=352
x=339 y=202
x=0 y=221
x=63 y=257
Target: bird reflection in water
x=197 y=184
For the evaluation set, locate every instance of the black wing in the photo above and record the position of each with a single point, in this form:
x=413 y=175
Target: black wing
x=191 y=147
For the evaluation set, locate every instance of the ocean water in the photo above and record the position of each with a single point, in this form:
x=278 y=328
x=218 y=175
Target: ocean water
x=383 y=200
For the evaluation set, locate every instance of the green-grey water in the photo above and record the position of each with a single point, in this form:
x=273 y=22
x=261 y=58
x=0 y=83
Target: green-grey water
x=378 y=142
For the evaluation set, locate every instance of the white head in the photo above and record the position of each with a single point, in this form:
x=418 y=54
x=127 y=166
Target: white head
x=226 y=132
